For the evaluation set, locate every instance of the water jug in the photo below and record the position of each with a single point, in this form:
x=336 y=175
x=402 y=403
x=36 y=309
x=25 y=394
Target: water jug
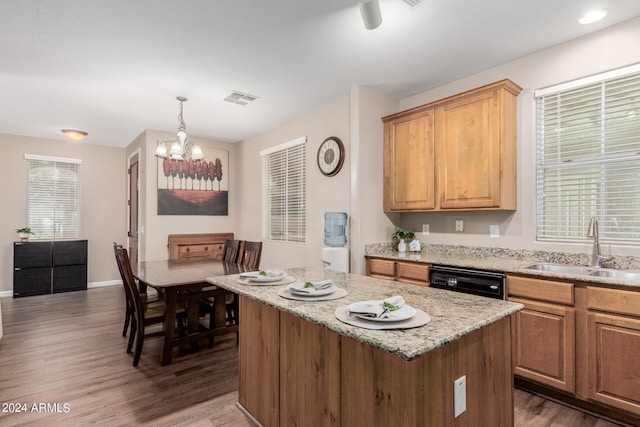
x=335 y=224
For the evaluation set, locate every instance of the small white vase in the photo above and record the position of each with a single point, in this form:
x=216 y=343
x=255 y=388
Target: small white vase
x=402 y=246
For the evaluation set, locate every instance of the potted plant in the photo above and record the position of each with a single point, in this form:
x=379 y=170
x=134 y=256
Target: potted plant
x=24 y=233
x=399 y=236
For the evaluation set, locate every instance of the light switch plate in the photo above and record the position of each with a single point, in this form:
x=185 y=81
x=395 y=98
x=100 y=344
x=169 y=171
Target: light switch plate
x=494 y=231
x=459 y=225
x=425 y=229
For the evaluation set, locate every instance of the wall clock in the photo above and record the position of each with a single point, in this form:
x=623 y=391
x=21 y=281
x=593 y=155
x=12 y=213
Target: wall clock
x=330 y=156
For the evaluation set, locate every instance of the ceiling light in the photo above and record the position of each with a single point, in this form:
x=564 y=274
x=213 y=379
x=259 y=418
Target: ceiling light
x=593 y=16
x=76 y=135
x=370 y=11
x=182 y=148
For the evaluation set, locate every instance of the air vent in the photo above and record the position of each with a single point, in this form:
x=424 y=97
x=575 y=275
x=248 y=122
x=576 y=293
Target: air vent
x=413 y=3
x=240 y=98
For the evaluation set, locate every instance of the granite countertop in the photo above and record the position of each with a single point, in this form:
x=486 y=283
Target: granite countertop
x=452 y=314
x=506 y=261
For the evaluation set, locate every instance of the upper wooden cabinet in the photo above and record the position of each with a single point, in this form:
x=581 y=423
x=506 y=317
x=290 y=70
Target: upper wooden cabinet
x=458 y=153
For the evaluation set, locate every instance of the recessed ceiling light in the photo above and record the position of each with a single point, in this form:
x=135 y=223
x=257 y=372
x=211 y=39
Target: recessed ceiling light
x=593 y=16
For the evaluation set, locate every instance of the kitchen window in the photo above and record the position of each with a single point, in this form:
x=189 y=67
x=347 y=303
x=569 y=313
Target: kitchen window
x=284 y=181
x=588 y=157
x=53 y=197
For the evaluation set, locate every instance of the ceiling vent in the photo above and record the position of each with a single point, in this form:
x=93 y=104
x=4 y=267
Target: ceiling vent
x=414 y=3
x=240 y=98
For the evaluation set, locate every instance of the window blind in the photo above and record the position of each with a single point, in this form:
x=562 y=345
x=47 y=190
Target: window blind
x=53 y=203
x=588 y=158
x=284 y=181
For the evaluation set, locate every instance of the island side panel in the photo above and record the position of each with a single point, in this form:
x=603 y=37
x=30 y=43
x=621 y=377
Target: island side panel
x=484 y=357
x=259 y=346
x=382 y=390
x=379 y=389
x=309 y=374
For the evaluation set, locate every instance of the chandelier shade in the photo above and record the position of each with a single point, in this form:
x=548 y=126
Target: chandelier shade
x=182 y=148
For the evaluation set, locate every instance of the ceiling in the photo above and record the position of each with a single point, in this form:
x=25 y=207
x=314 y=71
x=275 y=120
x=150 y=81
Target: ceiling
x=113 y=68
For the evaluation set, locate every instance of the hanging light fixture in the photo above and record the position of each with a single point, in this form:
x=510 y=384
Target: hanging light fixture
x=179 y=149
x=371 y=15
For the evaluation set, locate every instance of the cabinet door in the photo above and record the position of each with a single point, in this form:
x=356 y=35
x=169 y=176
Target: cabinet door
x=613 y=360
x=469 y=151
x=69 y=278
x=70 y=253
x=31 y=281
x=544 y=344
x=409 y=174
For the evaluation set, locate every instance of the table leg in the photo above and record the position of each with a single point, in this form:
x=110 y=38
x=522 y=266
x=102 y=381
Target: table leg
x=169 y=326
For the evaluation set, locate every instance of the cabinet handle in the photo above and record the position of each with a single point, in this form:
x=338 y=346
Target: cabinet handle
x=206 y=248
x=188 y=248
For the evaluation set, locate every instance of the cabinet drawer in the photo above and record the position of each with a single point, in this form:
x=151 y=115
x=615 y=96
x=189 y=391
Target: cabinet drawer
x=381 y=267
x=613 y=300
x=413 y=271
x=205 y=251
x=543 y=290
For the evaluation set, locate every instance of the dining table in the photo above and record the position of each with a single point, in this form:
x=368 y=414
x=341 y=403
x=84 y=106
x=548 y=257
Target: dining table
x=185 y=281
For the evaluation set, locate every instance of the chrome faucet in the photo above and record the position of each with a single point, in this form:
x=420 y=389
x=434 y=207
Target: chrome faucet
x=596 y=255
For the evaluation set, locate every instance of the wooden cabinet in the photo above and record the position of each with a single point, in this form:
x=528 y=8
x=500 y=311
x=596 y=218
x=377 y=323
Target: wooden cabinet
x=458 y=153
x=49 y=267
x=191 y=246
x=613 y=348
x=544 y=332
x=415 y=273
x=409 y=168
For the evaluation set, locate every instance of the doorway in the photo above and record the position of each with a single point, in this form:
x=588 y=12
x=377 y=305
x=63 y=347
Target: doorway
x=133 y=203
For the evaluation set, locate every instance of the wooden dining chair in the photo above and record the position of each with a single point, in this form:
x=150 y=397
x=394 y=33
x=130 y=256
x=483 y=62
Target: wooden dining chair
x=142 y=315
x=231 y=250
x=251 y=252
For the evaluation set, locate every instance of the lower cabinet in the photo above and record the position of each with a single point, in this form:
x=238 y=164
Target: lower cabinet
x=544 y=342
x=613 y=348
x=582 y=340
x=414 y=273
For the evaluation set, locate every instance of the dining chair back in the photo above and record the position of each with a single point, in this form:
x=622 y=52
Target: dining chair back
x=128 y=301
x=231 y=250
x=251 y=252
x=142 y=315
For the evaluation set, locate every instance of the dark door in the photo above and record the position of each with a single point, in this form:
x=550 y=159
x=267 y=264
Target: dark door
x=133 y=208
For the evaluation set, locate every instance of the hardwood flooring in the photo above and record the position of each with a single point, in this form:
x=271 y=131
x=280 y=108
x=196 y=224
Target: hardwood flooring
x=65 y=354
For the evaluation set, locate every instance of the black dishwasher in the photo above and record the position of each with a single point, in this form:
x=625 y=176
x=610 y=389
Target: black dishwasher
x=477 y=282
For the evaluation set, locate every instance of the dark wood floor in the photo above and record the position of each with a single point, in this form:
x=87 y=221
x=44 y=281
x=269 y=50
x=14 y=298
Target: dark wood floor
x=65 y=354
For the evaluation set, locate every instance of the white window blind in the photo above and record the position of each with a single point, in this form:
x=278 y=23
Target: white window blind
x=53 y=197
x=588 y=158
x=284 y=181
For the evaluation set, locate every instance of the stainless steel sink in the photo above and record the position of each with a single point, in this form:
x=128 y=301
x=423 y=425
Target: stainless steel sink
x=617 y=274
x=563 y=269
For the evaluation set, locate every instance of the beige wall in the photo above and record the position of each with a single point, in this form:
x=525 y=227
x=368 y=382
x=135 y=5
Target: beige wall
x=324 y=194
x=154 y=228
x=102 y=191
x=599 y=52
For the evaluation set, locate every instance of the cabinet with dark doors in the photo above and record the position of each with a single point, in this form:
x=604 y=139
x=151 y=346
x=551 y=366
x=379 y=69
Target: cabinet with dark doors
x=49 y=267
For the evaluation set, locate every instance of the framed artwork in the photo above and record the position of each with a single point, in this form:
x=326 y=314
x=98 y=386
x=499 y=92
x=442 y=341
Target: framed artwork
x=194 y=187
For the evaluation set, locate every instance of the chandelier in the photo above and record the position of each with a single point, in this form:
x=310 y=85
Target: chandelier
x=181 y=148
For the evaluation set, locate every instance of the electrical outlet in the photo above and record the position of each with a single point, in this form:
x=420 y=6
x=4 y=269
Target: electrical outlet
x=459 y=396
x=459 y=225
x=425 y=229
x=494 y=231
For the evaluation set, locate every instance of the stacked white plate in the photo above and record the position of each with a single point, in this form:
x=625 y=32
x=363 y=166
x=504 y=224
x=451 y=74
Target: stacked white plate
x=265 y=277
x=389 y=313
x=320 y=290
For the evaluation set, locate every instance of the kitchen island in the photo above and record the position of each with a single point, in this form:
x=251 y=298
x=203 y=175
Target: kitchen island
x=300 y=365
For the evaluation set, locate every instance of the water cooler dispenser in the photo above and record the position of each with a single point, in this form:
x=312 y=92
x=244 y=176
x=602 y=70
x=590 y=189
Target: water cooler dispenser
x=335 y=238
